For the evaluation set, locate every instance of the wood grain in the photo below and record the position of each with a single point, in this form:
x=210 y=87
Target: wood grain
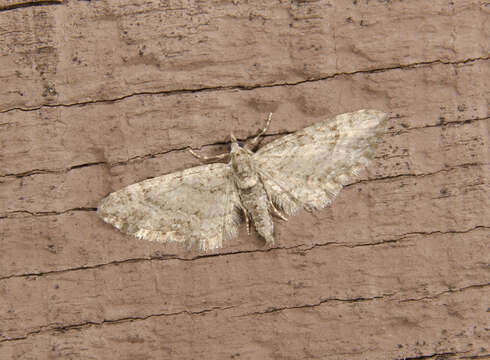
x=99 y=95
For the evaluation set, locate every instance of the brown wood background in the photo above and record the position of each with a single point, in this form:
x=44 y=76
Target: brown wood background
x=96 y=95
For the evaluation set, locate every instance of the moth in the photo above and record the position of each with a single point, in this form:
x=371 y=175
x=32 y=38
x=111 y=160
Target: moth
x=204 y=205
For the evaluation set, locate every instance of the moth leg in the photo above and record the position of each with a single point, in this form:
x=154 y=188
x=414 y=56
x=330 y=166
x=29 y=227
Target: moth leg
x=247 y=221
x=274 y=209
x=277 y=212
x=255 y=140
x=208 y=158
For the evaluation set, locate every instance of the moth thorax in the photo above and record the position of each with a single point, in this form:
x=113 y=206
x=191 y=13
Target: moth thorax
x=245 y=174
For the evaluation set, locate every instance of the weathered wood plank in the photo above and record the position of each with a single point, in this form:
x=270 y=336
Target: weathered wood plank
x=415 y=152
x=449 y=200
x=99 y=95
x=358 y=221
x=90 y=51
x=55 y=139
x=451 y=323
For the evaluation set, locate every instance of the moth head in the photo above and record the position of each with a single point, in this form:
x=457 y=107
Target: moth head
x=235 y=144
x=237 y=148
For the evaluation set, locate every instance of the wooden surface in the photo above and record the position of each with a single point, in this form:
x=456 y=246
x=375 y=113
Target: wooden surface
x=99 y=95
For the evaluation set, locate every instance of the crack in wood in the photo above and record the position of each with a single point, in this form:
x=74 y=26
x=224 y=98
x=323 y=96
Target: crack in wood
x=300 y=247
x=138 y=158
x=256 y=86
x=447 y=356
x=26 y=4
x=407 y=175
x=321 y=302
x=435 y=356
x=16 y=213
x=141 y=158
x=448 y=291
x=64 y=328
x=442 y=124
x=399 y=238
